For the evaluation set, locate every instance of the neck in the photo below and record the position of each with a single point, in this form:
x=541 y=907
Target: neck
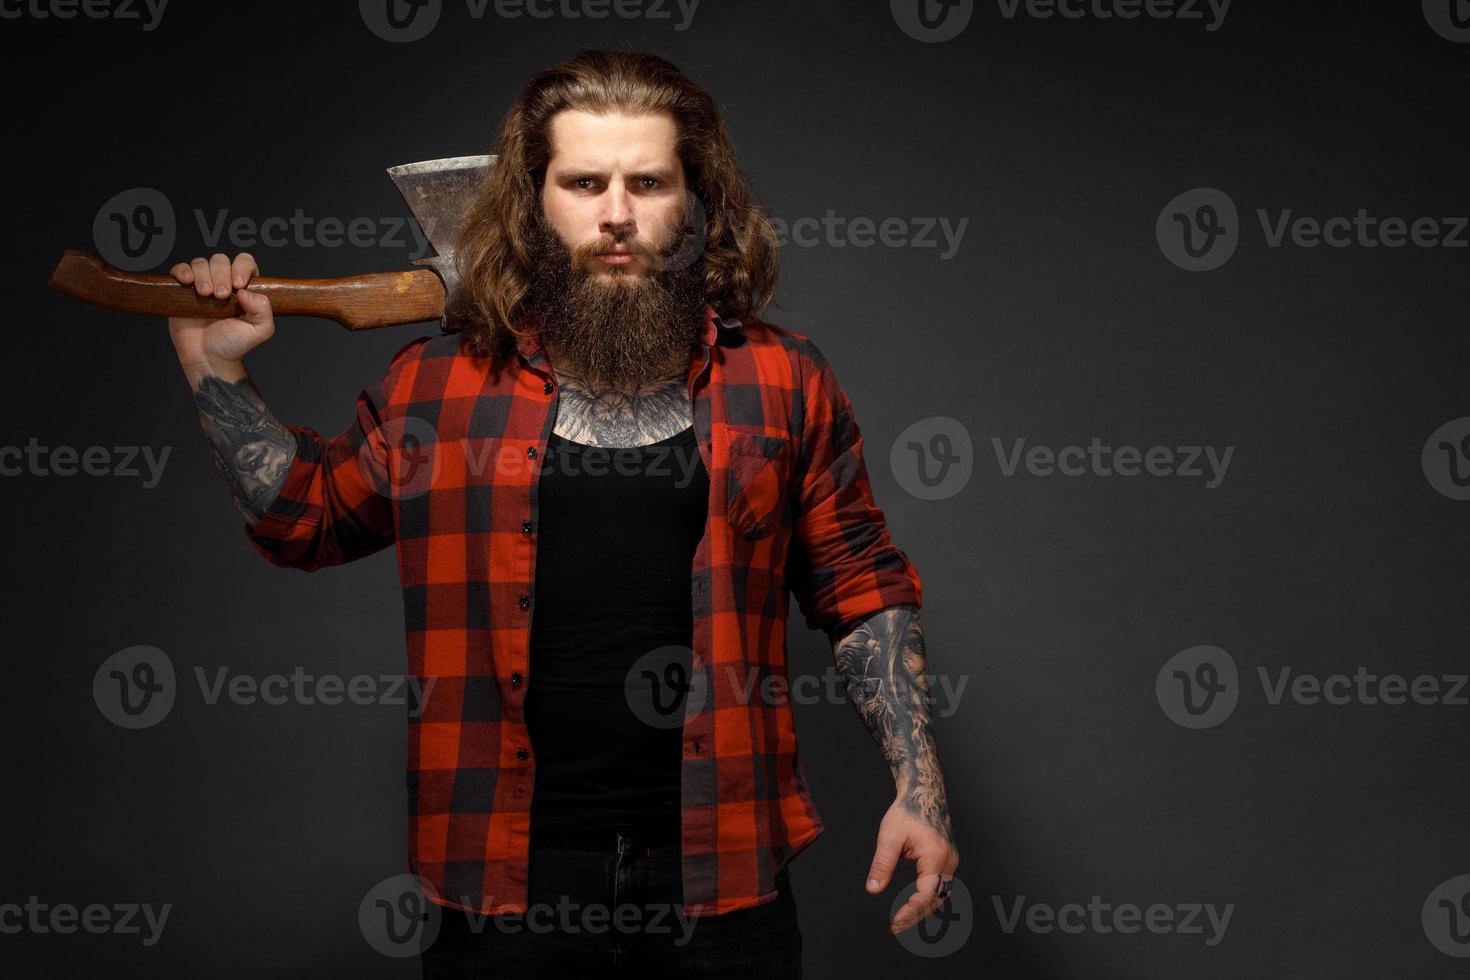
x=567 y=371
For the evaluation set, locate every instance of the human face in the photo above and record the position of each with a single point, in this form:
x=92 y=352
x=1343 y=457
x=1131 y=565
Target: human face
x=615 y=191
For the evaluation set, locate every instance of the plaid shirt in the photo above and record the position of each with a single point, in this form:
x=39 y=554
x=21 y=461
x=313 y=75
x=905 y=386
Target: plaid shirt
x=443 y=460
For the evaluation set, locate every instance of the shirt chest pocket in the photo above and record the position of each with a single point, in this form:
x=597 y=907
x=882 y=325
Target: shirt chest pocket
x=759 y=478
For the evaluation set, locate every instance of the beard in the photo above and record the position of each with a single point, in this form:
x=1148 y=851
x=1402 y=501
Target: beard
x=622 y=330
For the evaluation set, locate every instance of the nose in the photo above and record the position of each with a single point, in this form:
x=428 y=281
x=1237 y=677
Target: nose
x=617 y=216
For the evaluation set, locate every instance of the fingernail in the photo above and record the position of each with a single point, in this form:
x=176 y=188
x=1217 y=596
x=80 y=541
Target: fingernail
x=873 y=883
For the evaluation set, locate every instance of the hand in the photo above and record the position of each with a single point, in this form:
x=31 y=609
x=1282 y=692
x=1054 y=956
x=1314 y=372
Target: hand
x=218 y=347
x=904 y=834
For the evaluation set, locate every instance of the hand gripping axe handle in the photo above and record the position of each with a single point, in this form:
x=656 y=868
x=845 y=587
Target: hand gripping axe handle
x=438 y=192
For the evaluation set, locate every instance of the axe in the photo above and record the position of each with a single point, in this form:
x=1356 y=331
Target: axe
x=438 y=192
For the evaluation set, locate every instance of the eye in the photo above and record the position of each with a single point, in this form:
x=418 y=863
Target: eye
x=583 y=183
x=649 y=183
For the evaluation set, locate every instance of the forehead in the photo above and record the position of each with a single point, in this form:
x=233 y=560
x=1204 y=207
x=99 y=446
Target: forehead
x=586 y=139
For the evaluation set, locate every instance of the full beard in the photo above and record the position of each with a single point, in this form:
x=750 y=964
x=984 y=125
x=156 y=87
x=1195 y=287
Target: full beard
x=624 y=330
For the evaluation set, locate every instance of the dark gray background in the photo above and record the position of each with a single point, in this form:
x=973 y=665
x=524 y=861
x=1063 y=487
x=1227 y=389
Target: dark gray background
x=1325 y=548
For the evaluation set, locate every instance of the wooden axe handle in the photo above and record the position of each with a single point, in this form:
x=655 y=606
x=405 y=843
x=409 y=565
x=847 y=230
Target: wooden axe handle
x=376 y=299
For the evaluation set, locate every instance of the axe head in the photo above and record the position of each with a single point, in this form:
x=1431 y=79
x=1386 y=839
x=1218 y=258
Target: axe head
x=439 y=192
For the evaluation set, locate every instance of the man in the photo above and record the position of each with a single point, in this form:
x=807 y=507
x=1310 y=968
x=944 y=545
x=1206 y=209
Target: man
x=604 y=488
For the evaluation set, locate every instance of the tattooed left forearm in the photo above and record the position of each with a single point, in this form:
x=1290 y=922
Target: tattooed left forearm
x=882 y=662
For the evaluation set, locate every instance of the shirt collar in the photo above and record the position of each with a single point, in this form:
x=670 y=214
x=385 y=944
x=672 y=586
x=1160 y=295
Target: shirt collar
x=709 y=331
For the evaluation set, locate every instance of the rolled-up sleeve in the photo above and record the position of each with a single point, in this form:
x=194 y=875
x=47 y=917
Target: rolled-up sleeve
x=843 y=566
x=335 y=505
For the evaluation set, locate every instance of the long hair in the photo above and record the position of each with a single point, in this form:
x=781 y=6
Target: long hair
x=493 y=253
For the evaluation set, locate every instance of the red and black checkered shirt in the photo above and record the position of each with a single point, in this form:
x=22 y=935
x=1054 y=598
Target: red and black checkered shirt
x=443 y=461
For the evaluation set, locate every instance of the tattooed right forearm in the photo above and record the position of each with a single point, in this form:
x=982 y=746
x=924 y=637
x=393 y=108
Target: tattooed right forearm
x=252 y=450
x=882 y=660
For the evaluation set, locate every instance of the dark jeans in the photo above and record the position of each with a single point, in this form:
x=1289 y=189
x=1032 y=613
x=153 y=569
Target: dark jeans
x=617 y=912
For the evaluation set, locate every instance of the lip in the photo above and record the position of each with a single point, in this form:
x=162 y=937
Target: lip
x=615 y=257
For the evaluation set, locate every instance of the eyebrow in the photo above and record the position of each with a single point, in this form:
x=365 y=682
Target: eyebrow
x=577 y=173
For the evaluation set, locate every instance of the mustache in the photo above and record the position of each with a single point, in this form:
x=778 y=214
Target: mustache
x=641 y=248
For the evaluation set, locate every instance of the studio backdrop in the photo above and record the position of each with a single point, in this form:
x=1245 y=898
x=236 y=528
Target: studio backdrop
x=1152 y=313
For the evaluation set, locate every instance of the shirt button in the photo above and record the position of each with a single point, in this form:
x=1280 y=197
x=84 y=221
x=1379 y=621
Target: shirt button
x=525 y=601
x=526 y=526
x=522 y=754
x=515 y=680
x=547 y=387
x=531 y=452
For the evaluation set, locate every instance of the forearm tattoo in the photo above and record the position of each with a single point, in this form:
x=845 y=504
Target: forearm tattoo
x=882 y=662
x=608 y=417
x=252 y=450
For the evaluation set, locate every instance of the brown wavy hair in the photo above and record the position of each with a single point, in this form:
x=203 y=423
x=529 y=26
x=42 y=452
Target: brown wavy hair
x=493 y=252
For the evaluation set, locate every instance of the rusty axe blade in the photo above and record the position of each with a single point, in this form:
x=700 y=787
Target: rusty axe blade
x=438 y=192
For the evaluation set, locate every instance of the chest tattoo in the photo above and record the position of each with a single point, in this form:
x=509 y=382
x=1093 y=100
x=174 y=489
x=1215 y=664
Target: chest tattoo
x=608 y=417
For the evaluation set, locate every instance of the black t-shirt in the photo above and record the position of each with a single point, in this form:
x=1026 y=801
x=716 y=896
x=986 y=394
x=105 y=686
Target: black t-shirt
x=615 y=550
